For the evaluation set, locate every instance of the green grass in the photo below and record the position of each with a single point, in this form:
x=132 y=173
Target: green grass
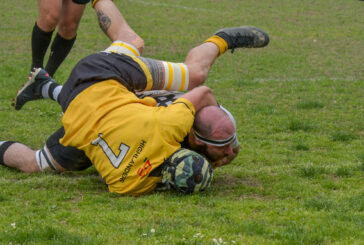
x=299 y=108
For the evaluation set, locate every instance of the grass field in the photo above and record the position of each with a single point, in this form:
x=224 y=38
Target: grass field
x=299 y=106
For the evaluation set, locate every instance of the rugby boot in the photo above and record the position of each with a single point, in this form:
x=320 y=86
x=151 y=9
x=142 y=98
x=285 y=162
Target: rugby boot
x=243 y=37
x=32 y=90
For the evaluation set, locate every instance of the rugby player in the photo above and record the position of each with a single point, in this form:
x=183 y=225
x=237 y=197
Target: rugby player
x=102 y=115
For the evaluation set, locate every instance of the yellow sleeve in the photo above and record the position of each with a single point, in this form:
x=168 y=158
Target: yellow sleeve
x=176 y=120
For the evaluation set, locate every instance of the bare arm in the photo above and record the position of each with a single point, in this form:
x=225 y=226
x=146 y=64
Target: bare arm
x=114 y=25
x=200 y=97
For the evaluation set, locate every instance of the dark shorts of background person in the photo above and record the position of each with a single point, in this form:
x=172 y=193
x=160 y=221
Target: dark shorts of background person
x=70 y=158
x=99 y=67
x=81 y=1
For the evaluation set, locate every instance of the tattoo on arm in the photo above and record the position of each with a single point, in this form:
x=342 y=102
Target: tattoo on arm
x=104 y=21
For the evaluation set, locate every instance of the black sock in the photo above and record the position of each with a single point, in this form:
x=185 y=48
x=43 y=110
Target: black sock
x=40 y=43
x=3 y=147
x=59 y=51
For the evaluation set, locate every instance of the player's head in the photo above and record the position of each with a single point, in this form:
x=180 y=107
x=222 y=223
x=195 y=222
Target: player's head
x=187 y=171
x=213 y=133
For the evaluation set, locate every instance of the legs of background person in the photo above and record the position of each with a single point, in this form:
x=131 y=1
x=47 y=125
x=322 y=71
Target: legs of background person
x=115 y=26
x=70 y=17
x=49 y=13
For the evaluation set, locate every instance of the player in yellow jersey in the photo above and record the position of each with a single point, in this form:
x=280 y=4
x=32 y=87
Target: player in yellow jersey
x=150 y=74
x=127 y=138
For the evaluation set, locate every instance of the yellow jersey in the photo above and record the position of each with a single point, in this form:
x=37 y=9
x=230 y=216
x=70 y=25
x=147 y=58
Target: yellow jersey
x=125 y=137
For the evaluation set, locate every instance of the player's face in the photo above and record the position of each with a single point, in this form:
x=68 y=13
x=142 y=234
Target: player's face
x=216 y=153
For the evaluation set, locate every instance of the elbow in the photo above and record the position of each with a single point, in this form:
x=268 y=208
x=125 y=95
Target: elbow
x=206 y=91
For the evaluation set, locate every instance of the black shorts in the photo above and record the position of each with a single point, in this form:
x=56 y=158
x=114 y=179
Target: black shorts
x=81 y=1
x=99 y=67
x=68 y=157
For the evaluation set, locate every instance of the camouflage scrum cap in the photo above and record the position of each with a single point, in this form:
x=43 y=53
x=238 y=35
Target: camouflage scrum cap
x=187 y=171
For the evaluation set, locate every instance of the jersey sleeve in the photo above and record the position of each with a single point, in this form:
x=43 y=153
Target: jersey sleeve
x=175 y=121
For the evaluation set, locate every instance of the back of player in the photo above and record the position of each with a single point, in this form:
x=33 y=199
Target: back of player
x=125 y=137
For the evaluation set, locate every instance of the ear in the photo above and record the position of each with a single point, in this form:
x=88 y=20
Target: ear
x=194 y=139
x=199 y=143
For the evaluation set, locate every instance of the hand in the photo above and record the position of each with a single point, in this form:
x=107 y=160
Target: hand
x=226 y=160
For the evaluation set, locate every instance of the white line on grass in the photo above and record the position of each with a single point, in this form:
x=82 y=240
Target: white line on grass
x=313 y=79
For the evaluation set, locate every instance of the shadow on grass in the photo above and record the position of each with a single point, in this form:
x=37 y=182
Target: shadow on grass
x=312 y=171
x=309 y=104
x=238 y=187
x=319 y=203
x=297 y=125
x=301 y=147
x=343 y=136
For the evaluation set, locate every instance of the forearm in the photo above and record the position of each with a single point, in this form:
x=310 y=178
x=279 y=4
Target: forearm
x=114 y=25
x=200 y=97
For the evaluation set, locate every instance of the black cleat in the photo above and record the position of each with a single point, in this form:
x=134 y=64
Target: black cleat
x=243 y=37
x=32 y=90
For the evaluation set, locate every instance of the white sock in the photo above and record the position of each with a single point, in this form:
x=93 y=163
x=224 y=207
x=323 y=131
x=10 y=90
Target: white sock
x=51 y=88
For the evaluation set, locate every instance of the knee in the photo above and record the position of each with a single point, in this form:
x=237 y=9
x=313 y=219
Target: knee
x=48 y=21
x=197 y=77
x=139 y=44
x=128 y=36
x=68 y=29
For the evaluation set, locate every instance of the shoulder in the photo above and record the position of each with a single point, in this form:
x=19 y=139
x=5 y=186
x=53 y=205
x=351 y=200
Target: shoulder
x=163 y=97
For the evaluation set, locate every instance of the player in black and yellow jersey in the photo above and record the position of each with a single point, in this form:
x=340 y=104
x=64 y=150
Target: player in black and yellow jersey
x=128 y=138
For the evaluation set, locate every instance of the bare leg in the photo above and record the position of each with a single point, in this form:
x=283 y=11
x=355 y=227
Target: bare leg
x=70 y=18
x=49 y=14
x=183 y=76
x=199 y=61
x=23 y=158
x=48 y=17
x=115 y=26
